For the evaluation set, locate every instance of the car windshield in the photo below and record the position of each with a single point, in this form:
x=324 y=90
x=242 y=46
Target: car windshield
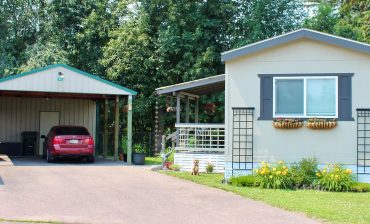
x=71 y=131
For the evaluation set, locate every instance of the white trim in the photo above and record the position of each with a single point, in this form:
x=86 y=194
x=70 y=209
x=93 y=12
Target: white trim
x=304 y=78
x=195 y=125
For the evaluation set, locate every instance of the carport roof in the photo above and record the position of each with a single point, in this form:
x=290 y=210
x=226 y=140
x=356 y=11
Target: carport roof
x=63 y=79
x=198 y=87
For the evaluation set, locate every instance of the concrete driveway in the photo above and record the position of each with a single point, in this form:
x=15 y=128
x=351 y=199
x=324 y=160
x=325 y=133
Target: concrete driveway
x=109 y=192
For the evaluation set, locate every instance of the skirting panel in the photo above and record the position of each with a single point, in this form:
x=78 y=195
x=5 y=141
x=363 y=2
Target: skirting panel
x=185 y=160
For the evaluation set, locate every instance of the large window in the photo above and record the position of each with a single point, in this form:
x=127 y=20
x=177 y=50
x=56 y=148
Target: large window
x=305 y=97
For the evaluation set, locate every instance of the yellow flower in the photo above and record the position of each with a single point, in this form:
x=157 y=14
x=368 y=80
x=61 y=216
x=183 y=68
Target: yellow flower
x=262 y=171
x=270 y=176
x=318 y=174
x=278 y=172
x=284 y=167
x=349 y=171
x=281 y=162
x=284 y=173
x=274 y=169
x=324 y=171
x=332 y=176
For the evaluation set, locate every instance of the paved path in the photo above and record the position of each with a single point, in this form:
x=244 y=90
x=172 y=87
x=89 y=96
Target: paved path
x=108 y=192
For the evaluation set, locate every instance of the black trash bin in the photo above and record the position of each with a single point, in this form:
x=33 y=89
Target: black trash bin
x=29 y=142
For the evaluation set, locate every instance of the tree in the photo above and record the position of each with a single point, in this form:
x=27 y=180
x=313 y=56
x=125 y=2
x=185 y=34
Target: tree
x=324 y=20
x=261 y=19
x=346 y=18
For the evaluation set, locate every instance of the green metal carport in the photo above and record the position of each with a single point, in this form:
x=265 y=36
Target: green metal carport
x=59 y=94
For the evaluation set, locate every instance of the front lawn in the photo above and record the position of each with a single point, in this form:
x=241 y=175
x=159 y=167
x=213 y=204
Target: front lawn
x=154 y=160
x=334 y=207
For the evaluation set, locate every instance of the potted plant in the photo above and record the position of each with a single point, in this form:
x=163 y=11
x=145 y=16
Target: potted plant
x=138 y=157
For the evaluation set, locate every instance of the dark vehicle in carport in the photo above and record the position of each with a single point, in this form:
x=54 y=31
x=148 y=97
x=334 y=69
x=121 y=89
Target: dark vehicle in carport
x=68 y=141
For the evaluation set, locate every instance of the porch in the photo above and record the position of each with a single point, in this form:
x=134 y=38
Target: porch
x=192 y=139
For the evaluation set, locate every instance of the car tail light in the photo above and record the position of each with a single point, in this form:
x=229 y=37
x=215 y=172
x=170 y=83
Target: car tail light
x=57 y=140
x=89 y=141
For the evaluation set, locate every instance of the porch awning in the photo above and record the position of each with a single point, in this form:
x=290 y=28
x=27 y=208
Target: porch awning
x=198 y=87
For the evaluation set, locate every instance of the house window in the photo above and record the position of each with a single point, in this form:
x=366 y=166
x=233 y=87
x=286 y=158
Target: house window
x=305 y=97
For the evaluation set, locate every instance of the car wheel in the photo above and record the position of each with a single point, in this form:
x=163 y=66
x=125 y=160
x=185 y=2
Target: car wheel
x=49 y=158
x=90 y=159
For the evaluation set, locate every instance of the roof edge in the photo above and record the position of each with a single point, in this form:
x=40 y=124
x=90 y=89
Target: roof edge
x=132 y=92
x=295 y=35
x=191 y=84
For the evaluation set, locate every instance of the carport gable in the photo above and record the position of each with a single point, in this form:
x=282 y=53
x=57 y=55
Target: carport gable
x=60 y=78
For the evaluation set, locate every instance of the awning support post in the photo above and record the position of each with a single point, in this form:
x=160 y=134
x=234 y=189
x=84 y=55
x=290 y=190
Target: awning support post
x=116 y=128
x=197 y=110
x=129 y=130
x=187 y=109
x=177 y=117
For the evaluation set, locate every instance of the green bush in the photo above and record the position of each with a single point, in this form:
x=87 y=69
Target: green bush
x=304 y=173
x=361 y=187
x=334 y=177
x=139 y=148
x=274 y=176
x=124 y=144
x=209 y=168
x=244 y=181
x=175 y=167
x=171 y=158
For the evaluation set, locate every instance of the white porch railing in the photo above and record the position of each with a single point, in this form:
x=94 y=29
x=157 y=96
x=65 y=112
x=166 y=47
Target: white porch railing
x=200 y=137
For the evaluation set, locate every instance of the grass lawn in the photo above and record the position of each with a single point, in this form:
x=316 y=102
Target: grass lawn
x=333 y=207
x=155 y=160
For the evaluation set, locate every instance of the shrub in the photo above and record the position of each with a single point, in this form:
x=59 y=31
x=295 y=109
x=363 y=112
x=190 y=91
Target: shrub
x=175 y=167
x=138 y=148
x=244 y=181
x=209 y=168
x=361 y=187
x=304 y=173
x=275 y=177
x=334 y=177
x=171 y=157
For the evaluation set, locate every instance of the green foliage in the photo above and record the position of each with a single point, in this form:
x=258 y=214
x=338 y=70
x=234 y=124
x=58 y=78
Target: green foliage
x=244 y=181
x=361 y=187
x=349 y=19
x=304 y=173
x=171 y=158
x=139 y=148
x=209 y=168
x=324 y=20
x=274 y=176
x=334 y=177
x=124 y=144
x=175 y=167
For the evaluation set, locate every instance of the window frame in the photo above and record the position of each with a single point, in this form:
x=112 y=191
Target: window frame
x=304 y=78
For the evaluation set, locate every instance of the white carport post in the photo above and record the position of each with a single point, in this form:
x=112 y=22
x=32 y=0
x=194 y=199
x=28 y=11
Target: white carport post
x=116 y=128
x=129 y=130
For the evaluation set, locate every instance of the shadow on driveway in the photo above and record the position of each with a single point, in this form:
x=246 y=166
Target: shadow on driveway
x=37 y=161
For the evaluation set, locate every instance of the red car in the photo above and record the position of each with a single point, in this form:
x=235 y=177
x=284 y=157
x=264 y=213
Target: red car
x=68 y=141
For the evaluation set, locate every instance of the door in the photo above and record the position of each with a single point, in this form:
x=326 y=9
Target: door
x=47 y=121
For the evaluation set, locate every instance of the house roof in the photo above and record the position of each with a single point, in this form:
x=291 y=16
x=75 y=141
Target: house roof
x=75 y=81
x=292 y=36
x=198 y=87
